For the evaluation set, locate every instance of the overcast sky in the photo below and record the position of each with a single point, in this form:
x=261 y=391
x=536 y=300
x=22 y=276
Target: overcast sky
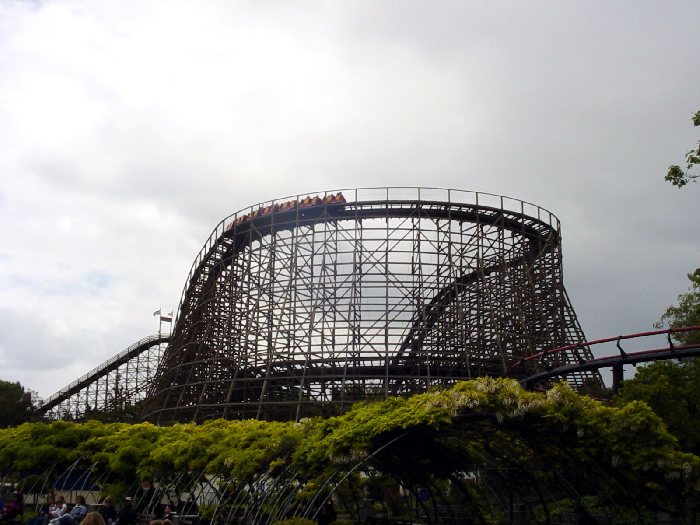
x=129 y=129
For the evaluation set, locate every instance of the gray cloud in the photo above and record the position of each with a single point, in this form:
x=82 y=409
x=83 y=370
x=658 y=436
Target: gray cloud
x=127 y=132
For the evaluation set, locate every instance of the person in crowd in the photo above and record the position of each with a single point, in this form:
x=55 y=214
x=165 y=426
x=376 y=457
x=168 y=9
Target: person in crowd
x=144 y=497
x=76 y=514
x=14 y=506
x=190 y=507
x=327 y=514
x=58 y=509
x=160 y=522
x=93 y=518
x=108 y=511
x=127 y=514
x=168 y=513
x=42 y=518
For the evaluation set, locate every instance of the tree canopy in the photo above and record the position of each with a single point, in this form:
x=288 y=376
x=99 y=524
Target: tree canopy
x=680 y=177
x=686 y=313
x=672 y=390
x=481 y=441
x=16 y=404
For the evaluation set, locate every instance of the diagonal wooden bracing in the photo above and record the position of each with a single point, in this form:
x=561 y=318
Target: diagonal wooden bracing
x=114 y=387
x=300 y=307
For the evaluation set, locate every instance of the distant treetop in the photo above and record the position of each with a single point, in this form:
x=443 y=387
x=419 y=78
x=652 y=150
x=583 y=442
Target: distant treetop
x=677 y=175
x=16 y=406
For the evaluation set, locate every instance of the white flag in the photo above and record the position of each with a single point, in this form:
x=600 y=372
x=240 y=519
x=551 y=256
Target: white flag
x=157 y=312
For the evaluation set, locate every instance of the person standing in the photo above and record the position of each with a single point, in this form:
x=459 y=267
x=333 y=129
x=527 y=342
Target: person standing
x=144 y=497
x=327 y=514
x=127 y=514
x=14 y=506
x=108 y=511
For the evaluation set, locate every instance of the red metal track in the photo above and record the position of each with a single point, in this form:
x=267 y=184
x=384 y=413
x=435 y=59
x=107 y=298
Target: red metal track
x=616 y=362
x=618 y=338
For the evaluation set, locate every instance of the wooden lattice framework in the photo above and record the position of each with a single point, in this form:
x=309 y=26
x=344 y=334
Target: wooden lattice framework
x=111 y=390
x=301 y=306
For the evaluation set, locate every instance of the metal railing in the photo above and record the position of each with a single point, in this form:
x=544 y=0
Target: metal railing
x=102 y=369
x=379 y=193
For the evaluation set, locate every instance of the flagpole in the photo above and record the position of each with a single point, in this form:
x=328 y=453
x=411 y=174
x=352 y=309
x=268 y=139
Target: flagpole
x=160 y=322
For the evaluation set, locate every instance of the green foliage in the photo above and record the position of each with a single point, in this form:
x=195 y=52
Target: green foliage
x=39 y=446
x=121 y=448
x=595 y=389
x=672 y=390
x=251 y=447
x=557 y=443
x=687 y=313
x=602 y=450
x=116 y=491
x=16 y=405
x=349 y=437
x=676 y=175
